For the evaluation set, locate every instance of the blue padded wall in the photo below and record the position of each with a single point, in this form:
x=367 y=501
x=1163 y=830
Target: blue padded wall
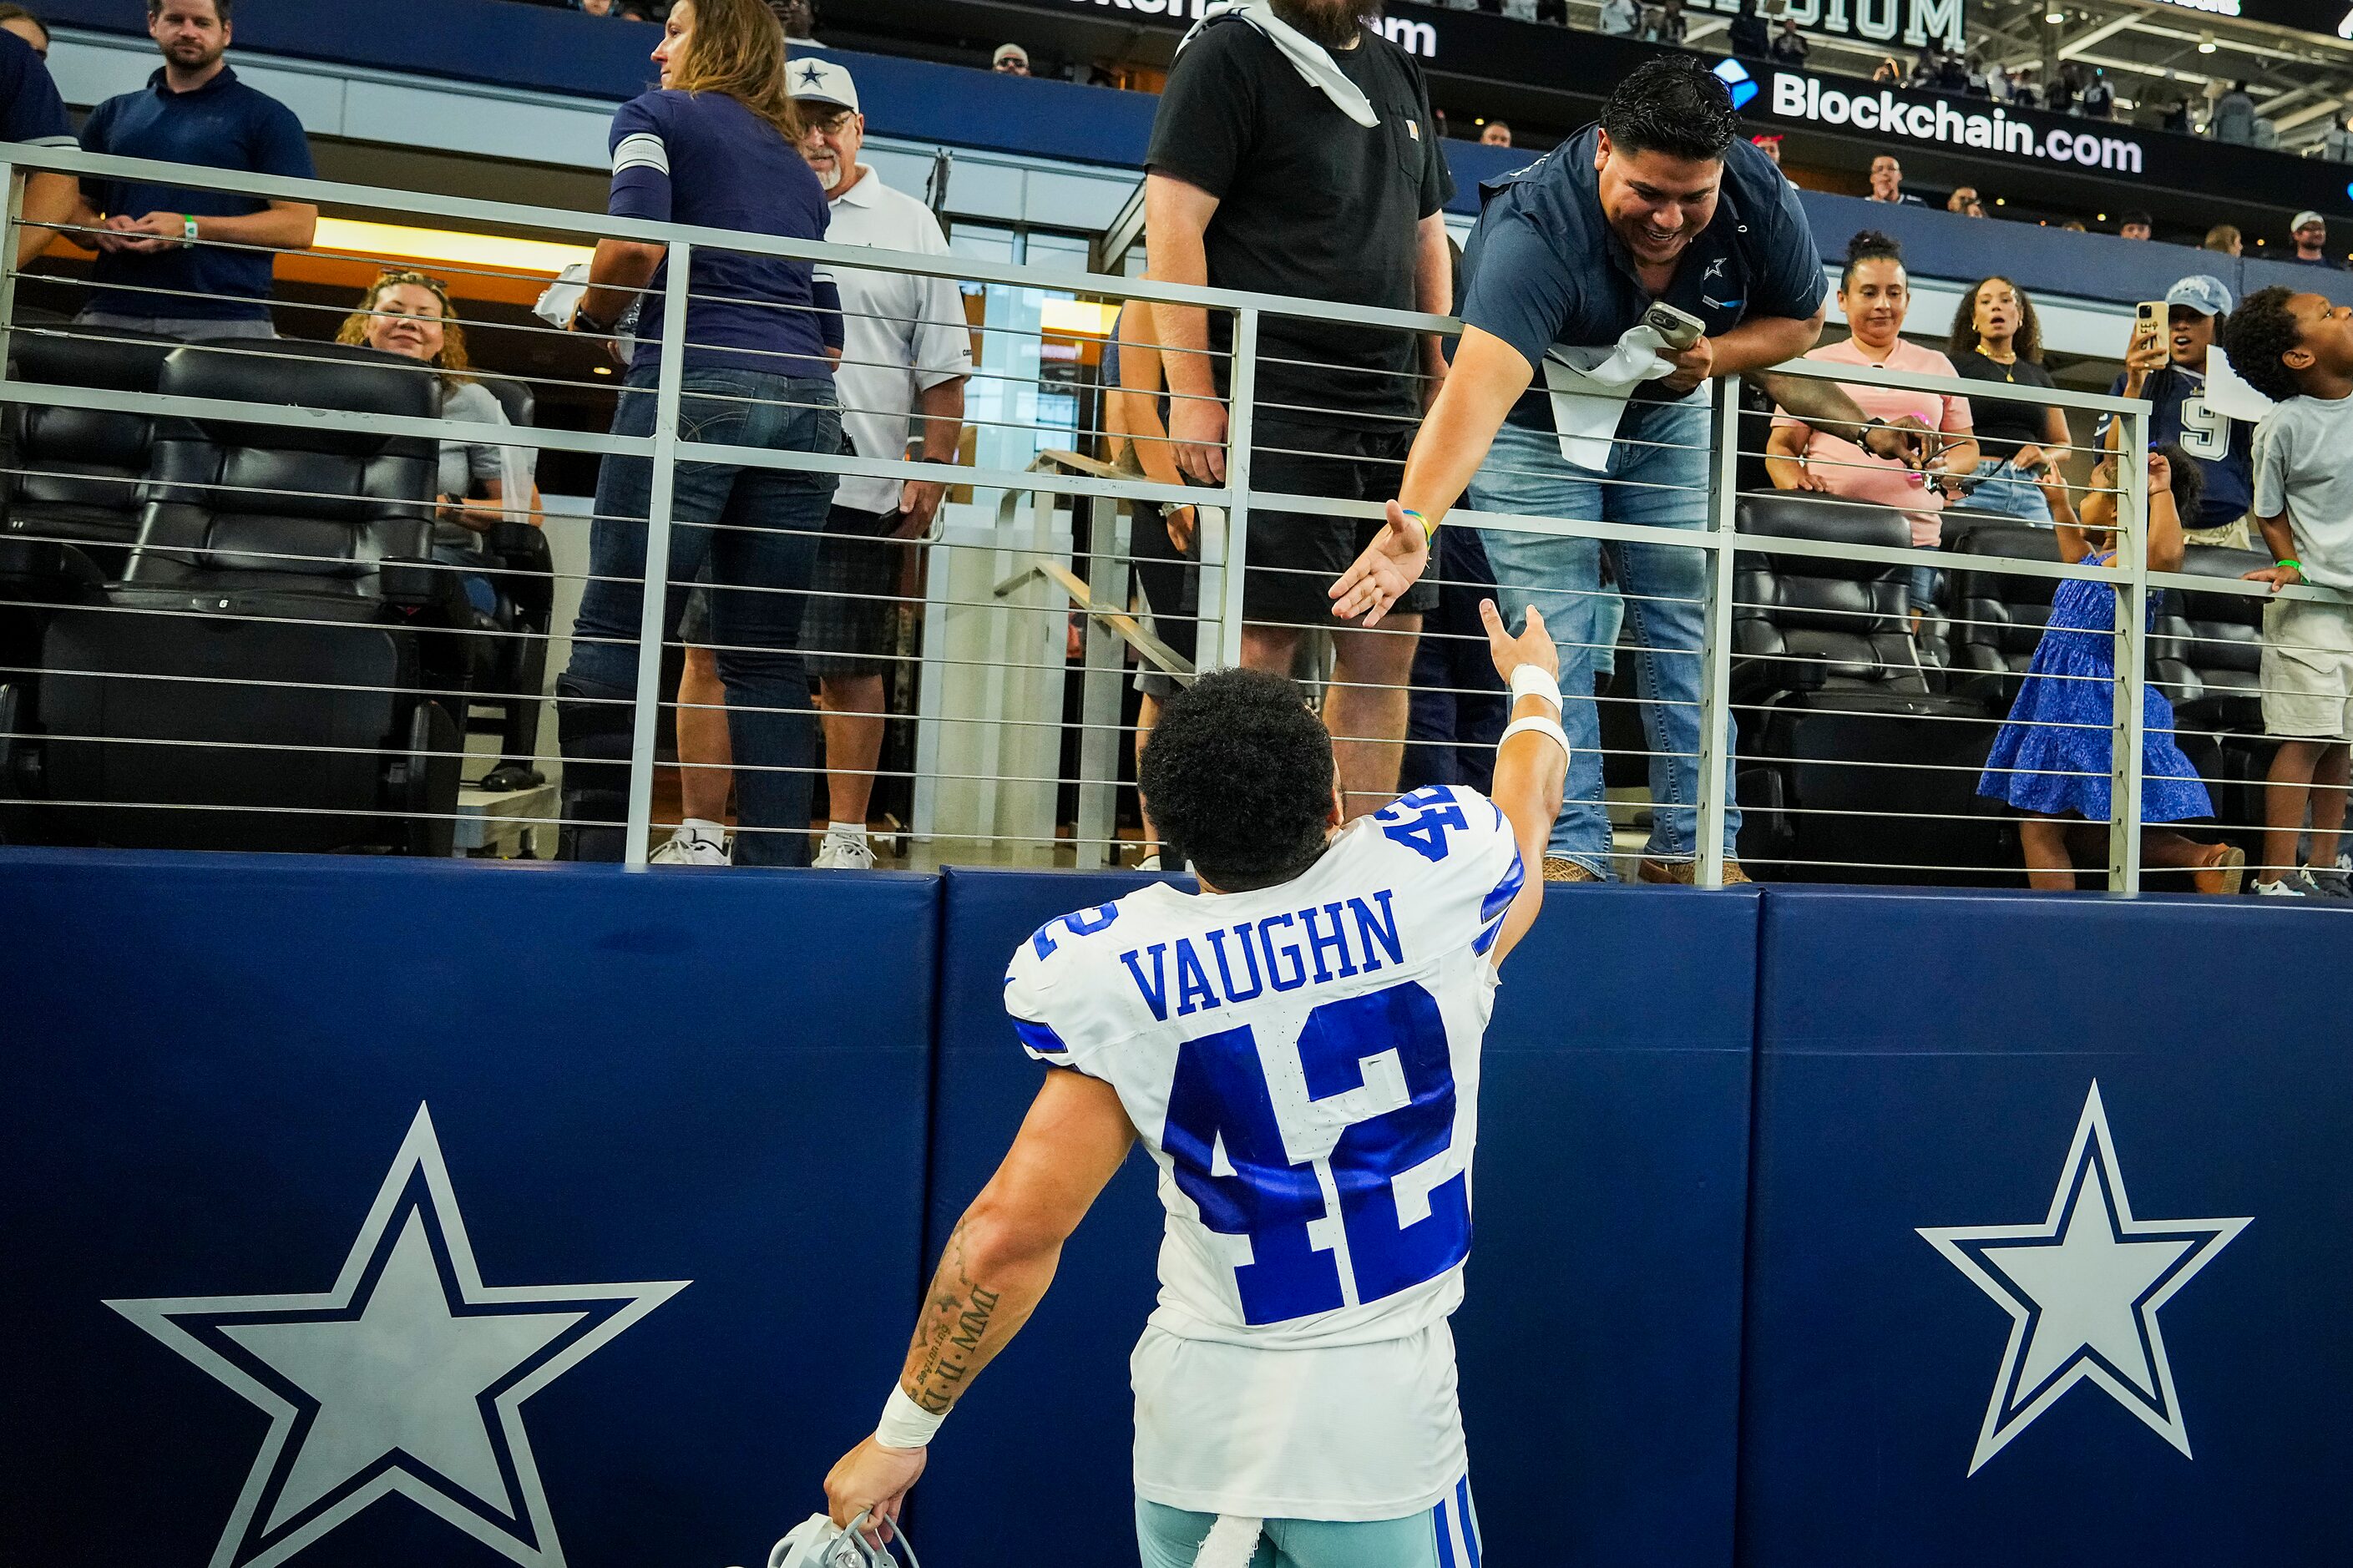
x=631 y=1081
x=1061 y=1387
x=1599 y=1338
x=1924 y=1060
x=210 y=1063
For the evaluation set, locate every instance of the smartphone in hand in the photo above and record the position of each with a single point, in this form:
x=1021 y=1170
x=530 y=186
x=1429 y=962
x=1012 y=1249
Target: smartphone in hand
x=1681 y=328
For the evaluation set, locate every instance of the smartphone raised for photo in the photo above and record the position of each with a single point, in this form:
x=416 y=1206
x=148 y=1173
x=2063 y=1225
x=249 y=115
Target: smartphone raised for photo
x=1681 y=328
x=2150 y=319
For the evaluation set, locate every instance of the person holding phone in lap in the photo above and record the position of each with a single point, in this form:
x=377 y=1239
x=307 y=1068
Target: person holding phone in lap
x=1661 y=203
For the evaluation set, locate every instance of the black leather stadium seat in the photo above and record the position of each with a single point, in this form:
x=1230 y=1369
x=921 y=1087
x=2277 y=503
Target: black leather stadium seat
x=73 y=475
x=267 y=656
x=1998 y=617
x=1853 y=767
x=1805 y=622
x=2210 y=646
x=2221 y=638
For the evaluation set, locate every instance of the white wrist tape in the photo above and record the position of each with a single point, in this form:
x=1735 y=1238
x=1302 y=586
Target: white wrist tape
x=1550 y=727
x=1528 y=679
x=906 y=1424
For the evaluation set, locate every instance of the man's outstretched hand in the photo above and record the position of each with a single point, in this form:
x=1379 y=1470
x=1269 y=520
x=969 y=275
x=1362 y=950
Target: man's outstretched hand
x=1380 y=577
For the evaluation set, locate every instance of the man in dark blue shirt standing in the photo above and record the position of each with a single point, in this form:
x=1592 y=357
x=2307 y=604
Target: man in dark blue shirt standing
x=1663 y=201
x=32 y=112
x=173 y=260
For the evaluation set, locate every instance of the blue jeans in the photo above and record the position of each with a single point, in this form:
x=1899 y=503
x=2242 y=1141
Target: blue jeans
x=1667 y=485
x=2005 y=489
x=473 y=576
x=769 y=520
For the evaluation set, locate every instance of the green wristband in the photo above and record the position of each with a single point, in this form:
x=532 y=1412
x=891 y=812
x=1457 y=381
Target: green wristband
x=2297 y=564
x=1428 y=529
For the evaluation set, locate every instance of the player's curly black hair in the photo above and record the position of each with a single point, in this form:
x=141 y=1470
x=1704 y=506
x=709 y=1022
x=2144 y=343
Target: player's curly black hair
x=1672 y=105
x=2256 y=334
x=1238 y=778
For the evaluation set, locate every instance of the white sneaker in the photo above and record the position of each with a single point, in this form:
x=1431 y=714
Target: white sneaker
x=838 y=854
x=686 y=848
x=2291 y=886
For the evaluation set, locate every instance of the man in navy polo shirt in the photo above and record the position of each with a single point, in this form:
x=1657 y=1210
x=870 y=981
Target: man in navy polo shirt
x=171 y=260
x=1662 y=200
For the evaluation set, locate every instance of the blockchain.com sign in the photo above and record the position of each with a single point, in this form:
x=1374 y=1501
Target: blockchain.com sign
x=1990 y=128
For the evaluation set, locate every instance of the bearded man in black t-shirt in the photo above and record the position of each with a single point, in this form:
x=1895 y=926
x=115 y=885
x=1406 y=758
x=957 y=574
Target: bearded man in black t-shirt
x=1266 y=176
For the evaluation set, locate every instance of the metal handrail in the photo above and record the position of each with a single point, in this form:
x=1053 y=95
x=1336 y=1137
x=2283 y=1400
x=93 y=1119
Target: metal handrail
x=1224 y=542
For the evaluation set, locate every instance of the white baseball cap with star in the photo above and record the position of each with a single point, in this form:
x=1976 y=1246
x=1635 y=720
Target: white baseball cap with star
x=813 y=80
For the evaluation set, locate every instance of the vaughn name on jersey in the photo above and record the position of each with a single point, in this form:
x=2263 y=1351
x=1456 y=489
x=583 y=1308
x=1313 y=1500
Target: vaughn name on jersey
x=1302 y=1061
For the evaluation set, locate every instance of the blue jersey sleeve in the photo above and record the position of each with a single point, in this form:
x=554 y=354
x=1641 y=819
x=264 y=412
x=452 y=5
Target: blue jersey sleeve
x=30 y=109
x=1039 y=988
x=640 y=148
x=1521 y=289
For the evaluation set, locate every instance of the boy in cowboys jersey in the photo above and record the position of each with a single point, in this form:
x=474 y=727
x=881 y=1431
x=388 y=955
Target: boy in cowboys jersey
x=1298 y=1047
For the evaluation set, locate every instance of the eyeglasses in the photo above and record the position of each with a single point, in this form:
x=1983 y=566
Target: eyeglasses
x=832 y=122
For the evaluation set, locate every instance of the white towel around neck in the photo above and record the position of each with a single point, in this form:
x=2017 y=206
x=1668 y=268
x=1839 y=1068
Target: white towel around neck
x=1307 y=57
x=1590 y=387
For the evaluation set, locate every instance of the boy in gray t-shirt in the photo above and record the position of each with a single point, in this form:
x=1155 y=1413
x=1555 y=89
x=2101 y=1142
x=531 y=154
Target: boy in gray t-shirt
x=2297 y=350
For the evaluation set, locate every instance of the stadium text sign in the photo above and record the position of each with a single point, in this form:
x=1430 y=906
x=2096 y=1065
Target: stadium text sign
x=1414 y=37
x=1912 y=23
x=1916 y=23
x=1794 y=97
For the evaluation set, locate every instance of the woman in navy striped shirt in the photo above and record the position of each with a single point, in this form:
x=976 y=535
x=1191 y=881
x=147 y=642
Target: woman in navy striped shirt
x=714 y=147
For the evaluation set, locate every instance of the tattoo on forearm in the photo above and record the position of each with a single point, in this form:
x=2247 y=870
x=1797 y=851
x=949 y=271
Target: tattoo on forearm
x=948 y=1335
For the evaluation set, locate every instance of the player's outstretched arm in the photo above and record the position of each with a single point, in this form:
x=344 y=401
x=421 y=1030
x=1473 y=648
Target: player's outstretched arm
x=1532 y=763
x=992 y=1275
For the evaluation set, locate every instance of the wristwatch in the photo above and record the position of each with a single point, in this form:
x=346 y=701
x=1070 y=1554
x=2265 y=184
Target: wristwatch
x=582 y=322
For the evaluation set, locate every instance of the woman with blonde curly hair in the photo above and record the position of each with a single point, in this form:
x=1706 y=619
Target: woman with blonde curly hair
x=409 y=314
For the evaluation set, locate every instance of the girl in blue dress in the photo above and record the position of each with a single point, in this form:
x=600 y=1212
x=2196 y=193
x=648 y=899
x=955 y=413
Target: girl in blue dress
x=2052 y=757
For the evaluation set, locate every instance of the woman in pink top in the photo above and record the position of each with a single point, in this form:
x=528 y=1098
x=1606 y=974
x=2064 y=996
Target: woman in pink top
x=1875 y=294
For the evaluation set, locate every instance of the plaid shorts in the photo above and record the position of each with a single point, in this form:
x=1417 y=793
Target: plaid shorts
x=846 y=628
x=846 y=618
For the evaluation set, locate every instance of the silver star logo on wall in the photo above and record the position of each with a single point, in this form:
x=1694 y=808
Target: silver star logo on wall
x=408 y=1377
x=2083 y=1288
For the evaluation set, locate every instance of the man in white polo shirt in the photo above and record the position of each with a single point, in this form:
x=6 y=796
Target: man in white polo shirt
x=906 y=352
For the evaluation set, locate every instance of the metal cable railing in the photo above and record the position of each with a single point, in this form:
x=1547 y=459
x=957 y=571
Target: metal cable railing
x=1790 y=658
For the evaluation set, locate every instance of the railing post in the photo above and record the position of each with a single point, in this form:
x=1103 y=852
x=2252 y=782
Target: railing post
x=654 y=622
x=1241 y=409
x=12 y=179
x=1100 y=736
x=2132 y=664
x=1716 y=644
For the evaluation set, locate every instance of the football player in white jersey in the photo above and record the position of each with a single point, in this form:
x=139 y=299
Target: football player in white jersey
x=1298 y=1047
